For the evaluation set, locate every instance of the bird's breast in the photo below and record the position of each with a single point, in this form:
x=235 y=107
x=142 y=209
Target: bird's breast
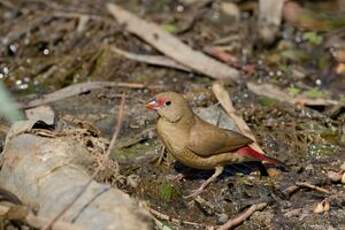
x=173 y=137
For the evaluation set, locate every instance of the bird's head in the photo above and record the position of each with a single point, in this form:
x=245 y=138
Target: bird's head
x=169 y=105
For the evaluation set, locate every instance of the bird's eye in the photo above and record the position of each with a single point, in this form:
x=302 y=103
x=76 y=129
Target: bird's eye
x=168 y=103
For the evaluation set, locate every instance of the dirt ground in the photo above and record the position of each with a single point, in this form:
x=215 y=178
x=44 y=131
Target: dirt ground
x=47 y=45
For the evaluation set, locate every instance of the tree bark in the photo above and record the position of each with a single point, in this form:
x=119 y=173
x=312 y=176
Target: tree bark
x=47 y=173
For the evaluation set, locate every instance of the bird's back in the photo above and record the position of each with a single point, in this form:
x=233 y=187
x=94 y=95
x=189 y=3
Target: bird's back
x=206 y=139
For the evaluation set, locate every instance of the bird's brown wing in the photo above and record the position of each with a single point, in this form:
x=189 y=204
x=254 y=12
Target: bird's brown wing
x=206 y=139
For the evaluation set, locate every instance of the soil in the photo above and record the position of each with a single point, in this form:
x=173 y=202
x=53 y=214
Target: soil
x=47 y=45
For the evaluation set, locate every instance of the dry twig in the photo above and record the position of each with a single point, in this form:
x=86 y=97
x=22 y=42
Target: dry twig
x=293 y=188
x=172 y=47
x=224 y=99
x=243 y=216
x=169 y=218
x=98 y=169
x=77 y=89
x=314 y=187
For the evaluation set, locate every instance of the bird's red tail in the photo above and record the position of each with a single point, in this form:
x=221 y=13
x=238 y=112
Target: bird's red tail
x=251 y=153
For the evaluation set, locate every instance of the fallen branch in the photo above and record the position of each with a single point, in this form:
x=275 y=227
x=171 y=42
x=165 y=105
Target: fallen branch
x=172 y=46
x=157 y=60
x=224 y=99
x=49 y=171
x=77 y=89
x=243 y=216
x=99 y=167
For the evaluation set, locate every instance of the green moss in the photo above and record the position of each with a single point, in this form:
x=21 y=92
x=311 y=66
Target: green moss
x=321 y=150
x=297 y=55
x=294 y=91
x=267 y=101
x=313 y=38
x=166 y=191
x=315 y=93
x=134 y=151
x=171 y=28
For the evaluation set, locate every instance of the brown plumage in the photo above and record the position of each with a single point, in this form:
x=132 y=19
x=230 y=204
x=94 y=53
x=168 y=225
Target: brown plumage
x=196 y=143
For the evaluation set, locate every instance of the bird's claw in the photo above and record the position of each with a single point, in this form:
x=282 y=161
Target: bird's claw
x=176 y=178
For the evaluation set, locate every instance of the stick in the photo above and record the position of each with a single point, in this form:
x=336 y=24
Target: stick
x=172 y=47
x=77 y=89
x=224 y=99
x=242 y=217
x=98 y=169
x=157 y=60
x=169 y=218
x=117 y=127
x=314 y=187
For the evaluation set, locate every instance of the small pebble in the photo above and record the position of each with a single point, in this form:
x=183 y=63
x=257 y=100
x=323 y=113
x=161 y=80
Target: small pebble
x=223 y=218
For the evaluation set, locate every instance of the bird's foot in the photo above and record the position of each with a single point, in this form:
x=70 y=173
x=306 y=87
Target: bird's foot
x=175 y=178
x=197 y=192
x=159 y=160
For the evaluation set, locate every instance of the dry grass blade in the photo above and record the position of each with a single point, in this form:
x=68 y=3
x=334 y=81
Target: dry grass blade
x=157 y=60
x=98 y=169
x=117 y=127
x=172 y=47
x=242 y=217
x=224 y=99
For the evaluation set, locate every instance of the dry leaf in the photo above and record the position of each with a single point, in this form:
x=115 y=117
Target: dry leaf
x=322 y=207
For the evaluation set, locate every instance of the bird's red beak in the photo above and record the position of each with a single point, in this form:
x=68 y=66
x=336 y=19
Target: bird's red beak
x=153 y=104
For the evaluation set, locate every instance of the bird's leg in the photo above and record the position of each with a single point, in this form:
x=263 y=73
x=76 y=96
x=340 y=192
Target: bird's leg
x=217 y=172
x=161 y=155
x=164 y=158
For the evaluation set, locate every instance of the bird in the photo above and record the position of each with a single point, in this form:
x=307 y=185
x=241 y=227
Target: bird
x=197 y=143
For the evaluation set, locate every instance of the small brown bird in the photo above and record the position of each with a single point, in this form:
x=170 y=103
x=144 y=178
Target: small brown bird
x=196 y=143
